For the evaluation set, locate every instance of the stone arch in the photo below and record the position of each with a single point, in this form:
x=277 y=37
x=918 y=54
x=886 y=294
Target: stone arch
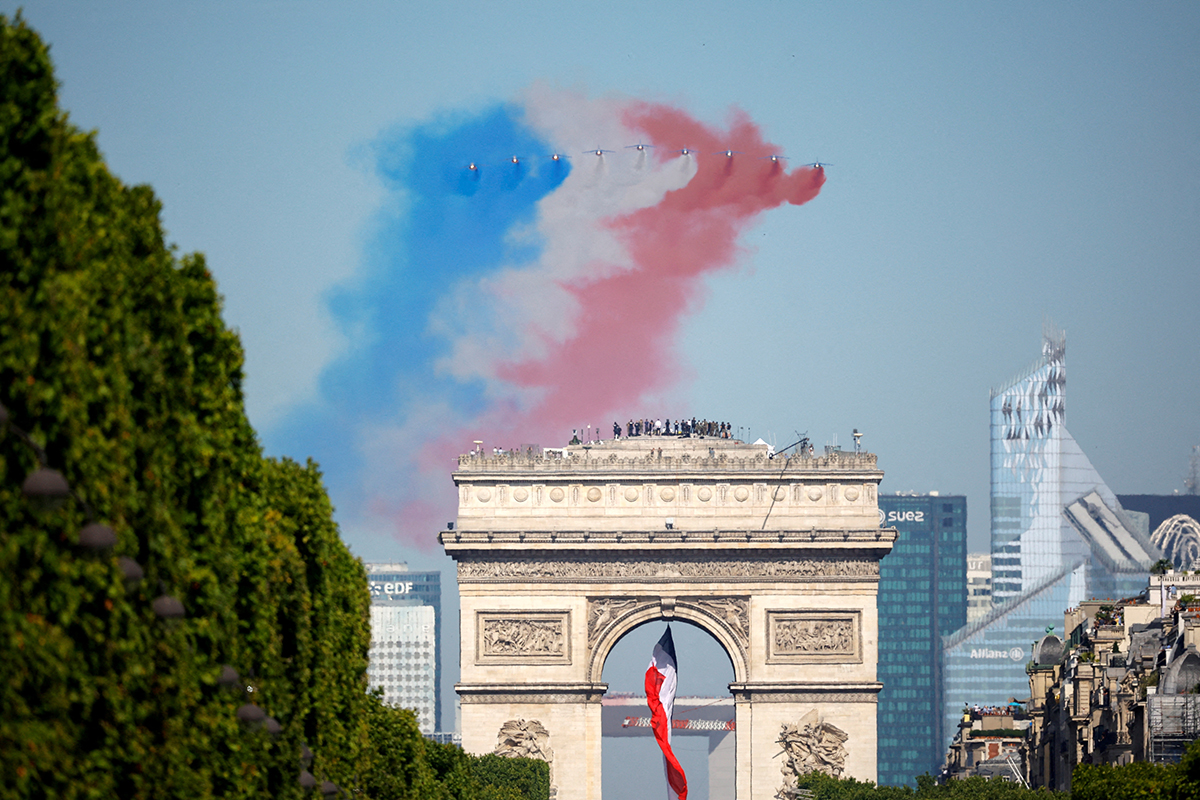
x=697 y=611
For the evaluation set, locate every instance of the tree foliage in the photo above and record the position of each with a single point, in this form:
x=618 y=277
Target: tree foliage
x=1140 y=780
x=825 y=787
x=114 y=359
x=117 y=370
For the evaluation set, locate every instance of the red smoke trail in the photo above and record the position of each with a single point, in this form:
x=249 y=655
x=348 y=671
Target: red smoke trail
x=621 y=348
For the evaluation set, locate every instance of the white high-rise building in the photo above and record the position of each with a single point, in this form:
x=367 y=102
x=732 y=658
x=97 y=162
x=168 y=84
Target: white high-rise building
x=979 y=585
x=404 y=639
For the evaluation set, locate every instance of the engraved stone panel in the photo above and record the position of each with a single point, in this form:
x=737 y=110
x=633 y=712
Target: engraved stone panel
x=667 y=494
x=814 y=637
x=522 y=637
x=594 y=494
x=557 y=494
x=484 y=495
x=814 y=493
x=741 y=493
x=631 y=494
x=851 y=493
x=704 y=493
x=520 y=494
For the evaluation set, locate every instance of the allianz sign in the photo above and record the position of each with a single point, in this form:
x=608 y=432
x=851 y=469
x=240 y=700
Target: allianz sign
x=1016 y=653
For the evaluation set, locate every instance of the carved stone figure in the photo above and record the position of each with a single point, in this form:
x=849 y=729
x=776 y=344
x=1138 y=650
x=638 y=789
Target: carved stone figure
x=519 y=738
x=812 y=745
x=602 y=613
x=734 y=611
x=814 y=636
x=511 y=637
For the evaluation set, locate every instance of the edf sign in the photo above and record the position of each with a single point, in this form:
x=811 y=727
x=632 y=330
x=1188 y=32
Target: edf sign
x=400 y=587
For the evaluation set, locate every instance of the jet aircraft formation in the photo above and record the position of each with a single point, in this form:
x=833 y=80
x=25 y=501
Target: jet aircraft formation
x=641 y=147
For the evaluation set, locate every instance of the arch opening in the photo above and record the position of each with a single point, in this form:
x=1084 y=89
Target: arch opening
x=631 y=761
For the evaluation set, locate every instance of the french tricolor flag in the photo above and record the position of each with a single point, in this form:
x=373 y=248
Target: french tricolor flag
x=660 y=694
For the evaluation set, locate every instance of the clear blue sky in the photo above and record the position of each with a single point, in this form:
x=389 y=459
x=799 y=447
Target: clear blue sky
x=993 y=164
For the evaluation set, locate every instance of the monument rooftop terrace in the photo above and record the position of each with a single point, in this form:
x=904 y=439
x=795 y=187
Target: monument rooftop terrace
x=686 y=491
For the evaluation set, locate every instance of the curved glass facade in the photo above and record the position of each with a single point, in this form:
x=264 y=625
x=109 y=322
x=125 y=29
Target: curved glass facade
x=1059 y=537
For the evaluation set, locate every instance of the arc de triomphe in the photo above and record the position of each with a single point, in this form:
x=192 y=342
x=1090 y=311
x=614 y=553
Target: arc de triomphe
x=778 y=559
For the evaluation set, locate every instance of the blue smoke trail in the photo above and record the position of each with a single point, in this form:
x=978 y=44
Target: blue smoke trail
x=453 y=226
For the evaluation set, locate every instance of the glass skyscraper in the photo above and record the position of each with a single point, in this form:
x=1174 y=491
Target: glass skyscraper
x=922 y=597
x=1059 y=537
x=405 y=633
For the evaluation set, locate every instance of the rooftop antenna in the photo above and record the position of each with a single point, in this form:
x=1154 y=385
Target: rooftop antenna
x=857 y=441
x=1191 y=484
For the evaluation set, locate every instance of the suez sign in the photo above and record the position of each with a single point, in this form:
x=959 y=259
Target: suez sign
x=399 y=587
x=892 y=517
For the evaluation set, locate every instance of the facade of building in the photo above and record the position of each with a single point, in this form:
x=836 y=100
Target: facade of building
x=922 y=597
x=1120 y=688
x=1059 y=537
x=405 y=633
x=979 y=585
x=776 y=557
x=989 y=743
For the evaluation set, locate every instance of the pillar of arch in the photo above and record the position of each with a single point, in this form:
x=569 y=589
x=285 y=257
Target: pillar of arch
x=559 y=556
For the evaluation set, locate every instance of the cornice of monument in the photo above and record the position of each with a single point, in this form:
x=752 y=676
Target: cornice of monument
x=804 y=541
x=677 y=466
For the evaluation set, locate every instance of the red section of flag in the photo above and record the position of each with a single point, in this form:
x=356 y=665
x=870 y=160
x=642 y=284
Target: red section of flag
x=662 y=726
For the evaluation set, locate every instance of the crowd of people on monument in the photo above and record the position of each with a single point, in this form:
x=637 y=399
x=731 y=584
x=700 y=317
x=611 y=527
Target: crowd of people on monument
x=669 y=427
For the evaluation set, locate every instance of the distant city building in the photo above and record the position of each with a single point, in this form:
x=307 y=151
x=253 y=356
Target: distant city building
x=1059 y=537
x=405 y=633
x=1171 y=523
x=979 y=585
x=922 y=597
x=1120 y=687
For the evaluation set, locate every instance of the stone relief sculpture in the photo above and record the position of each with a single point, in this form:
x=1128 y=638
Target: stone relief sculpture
x=734 y=611
x=519 y=738
x=814 y=636
x=505 y=569
x=518 y=637
x=811 y=745
x=602 y=613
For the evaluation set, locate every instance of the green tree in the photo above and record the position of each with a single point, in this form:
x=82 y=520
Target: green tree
x=115 y=361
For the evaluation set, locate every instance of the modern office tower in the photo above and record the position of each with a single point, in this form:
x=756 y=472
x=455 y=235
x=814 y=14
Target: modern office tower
x=922 y=597
x=1059 y=537
x=405 y=633
x=979 y=585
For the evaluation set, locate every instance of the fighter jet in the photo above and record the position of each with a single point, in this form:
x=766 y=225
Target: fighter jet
x=686 y=151
x=819 y=165
x=557 y=157
x=599 y=152
x=639 y=146
x=774 y=158
x=730 y=153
